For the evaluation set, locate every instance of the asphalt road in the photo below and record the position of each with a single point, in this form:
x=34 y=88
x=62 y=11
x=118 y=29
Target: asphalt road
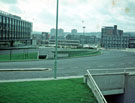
x=110 y=59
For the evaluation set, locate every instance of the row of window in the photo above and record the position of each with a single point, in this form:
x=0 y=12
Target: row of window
x=13 y=28
x=14 y=36
x=7 y=20
x=116 y=38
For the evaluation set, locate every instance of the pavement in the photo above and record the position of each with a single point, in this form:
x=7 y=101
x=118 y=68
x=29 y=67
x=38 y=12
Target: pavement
x=39 y=79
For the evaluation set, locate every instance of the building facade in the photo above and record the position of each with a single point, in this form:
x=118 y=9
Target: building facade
x=13 y=28
x=73 y=32
x=65 y=43
x=111 y=37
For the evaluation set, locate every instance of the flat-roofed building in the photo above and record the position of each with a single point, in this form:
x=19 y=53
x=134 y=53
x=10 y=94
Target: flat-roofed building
x=111 y=37
x=13 y=28
x=65 y=43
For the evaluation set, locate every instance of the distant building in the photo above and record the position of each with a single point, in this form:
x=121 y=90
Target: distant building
x=45 y=35
x=65 y=43
x=131 y=42
x=74 y=32
x=60 y=32
x=83 y=39
x=111 y=37
x=13 y=28
x=53 y=32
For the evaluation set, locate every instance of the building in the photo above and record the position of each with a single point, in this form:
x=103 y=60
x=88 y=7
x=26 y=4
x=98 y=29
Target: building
x=65 y=43
x=53 y=32
x=83 y=38
x=131 y=42
x=111 y=37
x=45 y=35
x=13 y=28
x=60 y=32
x=73 y=32
x=41 y=38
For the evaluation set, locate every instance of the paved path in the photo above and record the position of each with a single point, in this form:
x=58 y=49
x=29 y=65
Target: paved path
x=110 y=59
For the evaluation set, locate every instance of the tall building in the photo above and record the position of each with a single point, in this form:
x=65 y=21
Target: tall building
x=53 y=32
x=73 y=32
x=13 y=28
x=60 y=32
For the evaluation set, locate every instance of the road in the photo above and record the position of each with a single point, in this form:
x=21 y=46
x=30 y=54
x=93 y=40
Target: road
x=110 y=59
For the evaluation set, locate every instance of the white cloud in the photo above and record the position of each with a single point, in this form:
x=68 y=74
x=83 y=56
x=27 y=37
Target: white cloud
x=95 y=13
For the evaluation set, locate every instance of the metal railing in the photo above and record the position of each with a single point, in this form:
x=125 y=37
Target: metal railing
x=95 y=89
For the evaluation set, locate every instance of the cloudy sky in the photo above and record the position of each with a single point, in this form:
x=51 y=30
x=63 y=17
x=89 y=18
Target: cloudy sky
x=94 y=13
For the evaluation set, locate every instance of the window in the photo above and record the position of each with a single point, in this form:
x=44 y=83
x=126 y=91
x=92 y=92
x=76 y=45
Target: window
x=0 y=19
x=4 y=19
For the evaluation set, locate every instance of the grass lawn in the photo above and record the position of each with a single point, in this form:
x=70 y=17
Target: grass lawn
x=54 y=91
x=16 y=57
x=80 y=53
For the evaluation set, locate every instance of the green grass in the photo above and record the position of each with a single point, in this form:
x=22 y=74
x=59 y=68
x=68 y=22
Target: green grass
x=80 y=53
x=54 y=91
x=16 y=57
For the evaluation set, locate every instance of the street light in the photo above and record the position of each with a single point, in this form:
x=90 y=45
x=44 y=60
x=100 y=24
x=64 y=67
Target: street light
x=56 y=41
x=83 y=34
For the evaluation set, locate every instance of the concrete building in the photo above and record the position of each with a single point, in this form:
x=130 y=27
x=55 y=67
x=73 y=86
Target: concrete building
x=60 y=32
x=111 y=37
x=83 y=38
x=65 y=43
x=53 y=32
x=131 y=42
x=73 y=32
x=13 y=28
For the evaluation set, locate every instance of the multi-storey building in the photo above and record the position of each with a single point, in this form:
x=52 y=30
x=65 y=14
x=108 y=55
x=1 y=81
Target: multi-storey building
x=111 y=37
x=13 y=28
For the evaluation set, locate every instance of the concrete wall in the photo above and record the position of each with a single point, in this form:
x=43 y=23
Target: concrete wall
x=110 y=82
x=118 y=81
x=129 y=96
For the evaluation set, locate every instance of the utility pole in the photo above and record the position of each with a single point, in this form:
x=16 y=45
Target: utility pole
x=56 y=41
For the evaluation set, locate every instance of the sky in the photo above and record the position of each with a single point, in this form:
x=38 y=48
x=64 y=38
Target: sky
x=74 y=14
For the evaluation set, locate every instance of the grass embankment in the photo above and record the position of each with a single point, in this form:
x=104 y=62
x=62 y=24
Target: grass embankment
x=54 y=91
x=19 y=56
x=80 y=53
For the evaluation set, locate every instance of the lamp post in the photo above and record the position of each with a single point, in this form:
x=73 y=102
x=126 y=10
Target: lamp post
x=56 y=41
x=83 y=34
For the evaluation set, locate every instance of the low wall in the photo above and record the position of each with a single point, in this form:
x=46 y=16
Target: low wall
x=119 y=86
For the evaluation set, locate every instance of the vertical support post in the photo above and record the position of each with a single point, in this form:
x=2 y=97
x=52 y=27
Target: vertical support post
x=56 y=41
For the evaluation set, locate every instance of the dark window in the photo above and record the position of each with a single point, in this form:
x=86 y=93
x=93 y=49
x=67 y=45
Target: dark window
x=0 y=19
